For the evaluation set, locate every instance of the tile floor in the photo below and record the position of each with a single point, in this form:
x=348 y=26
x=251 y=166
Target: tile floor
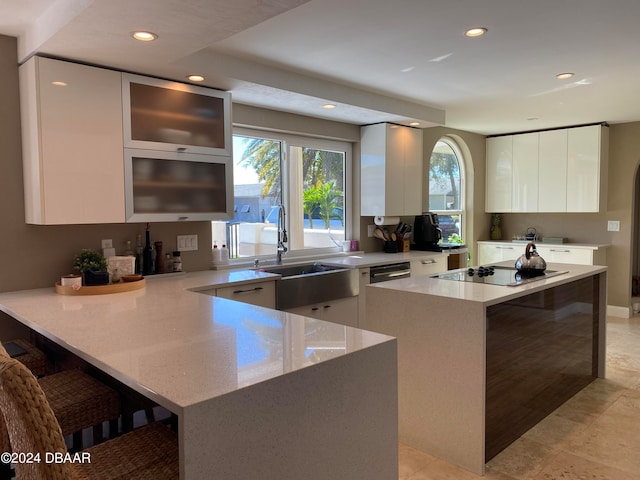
x=594 y=436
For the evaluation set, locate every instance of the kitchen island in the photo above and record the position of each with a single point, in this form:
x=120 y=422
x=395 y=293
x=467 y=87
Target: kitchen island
x=480 y=364
x=258 y=393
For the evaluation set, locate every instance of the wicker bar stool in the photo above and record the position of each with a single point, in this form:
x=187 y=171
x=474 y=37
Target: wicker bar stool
x=150 y=452
x=35 y=359
x=79 y=401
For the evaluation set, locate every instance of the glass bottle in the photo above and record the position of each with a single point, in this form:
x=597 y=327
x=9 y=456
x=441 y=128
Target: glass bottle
x=139 y=250
x=159 y=257
x=147 y=254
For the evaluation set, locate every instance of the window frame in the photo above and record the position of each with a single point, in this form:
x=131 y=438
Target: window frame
x=287 y=141
x=462 y=210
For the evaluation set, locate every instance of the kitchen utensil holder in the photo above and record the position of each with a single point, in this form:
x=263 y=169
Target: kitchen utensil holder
x=390 y=247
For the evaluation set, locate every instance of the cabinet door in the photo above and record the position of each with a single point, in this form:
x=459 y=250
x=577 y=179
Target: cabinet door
x=166 y=186
x=412 y=159
x=583 y=169
x=489 y=253
x=343 y=311
x=560 y=254
x=262 y=294
x=429 y=266
x=499 y=181
x=72 y=143
x=391 y=170
x=163 y=115
x=552 y=171
x=525 y=173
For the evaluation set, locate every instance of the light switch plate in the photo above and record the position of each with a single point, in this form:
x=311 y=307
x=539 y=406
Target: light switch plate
x=613 y=226
x=187 y=243
x=107 y=243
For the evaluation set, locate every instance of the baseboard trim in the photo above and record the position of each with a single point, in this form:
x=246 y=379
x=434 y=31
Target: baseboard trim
x=620 y=312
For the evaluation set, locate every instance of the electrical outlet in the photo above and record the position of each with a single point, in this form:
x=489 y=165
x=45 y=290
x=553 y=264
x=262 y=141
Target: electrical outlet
x=187 y=243
x=107 y=243
x=370 y=230
x=613 y=226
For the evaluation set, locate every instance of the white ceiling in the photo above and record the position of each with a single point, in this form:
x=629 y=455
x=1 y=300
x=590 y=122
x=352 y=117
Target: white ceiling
x=378 y=60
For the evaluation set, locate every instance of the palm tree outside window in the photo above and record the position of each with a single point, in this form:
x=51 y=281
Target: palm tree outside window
x=308 y=176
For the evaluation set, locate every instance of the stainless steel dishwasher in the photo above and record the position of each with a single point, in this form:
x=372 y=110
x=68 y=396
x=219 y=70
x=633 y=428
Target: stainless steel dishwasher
x=394 y=271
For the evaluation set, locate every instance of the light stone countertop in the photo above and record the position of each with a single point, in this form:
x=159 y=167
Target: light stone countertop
x=488 y=294
x=590 y=246
x=363 y=260
x=179 y=347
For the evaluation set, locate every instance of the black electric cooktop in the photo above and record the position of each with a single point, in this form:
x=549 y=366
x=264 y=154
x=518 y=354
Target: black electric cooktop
x=495 y=275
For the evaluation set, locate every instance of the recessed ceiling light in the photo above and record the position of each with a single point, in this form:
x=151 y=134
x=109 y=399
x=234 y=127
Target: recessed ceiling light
x=144 y=36
x=196 y=78
x=564 y=76
x=475 y=32
x=414 y=124
x=532 y=119
x=59 y=84
x=329 y=106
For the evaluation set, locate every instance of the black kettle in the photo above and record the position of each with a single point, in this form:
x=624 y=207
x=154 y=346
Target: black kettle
x=531 y=263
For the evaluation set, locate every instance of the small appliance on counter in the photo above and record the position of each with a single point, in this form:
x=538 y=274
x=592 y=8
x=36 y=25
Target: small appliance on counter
x=427 y=234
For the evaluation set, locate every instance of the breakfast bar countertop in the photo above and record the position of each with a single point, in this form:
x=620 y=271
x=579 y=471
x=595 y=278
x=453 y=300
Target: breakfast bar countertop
x=211 y=361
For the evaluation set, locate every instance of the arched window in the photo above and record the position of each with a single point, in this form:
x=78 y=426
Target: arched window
x=446 y=189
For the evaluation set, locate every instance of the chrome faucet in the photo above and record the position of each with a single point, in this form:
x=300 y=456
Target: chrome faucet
x=282 y=235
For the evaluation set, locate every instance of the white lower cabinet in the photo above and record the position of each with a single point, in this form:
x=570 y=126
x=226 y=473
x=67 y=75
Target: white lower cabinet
x=429 y=265
x=577 y=255
x=493 y=252
x=262 y=294
x=343 y=311
x=498 y=252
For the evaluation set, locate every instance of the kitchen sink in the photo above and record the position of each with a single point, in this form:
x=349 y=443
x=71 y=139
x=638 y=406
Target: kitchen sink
x=311 y=283
x=306 y=269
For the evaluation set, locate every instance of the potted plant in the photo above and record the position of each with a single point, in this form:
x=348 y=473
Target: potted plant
x=92 y=266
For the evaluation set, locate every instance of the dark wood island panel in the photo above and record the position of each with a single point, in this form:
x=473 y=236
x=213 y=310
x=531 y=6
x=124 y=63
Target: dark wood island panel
x=541 y=350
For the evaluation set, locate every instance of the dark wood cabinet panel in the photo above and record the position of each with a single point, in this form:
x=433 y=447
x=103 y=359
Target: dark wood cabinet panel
x=541 y=350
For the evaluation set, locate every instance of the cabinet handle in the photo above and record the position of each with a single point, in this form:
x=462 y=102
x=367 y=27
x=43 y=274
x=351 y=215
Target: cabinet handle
x=181 y=149
x=182 y=219
x=428 y=262
x=313 y=309
x=505 y=248
x=256 y=289
x=559 y=251
x=327 y=306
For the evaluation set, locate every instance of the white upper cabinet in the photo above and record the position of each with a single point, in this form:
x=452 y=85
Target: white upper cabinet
x=171 y=116
x=391 y=170
x=525 y=173
x=561 y=170
x=499 y=184
x=160 y=153
x=72 y=143
x=587 y=149
x=552 y=171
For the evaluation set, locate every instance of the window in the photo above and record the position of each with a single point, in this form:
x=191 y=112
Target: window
x=446 y=189
x=307 y=176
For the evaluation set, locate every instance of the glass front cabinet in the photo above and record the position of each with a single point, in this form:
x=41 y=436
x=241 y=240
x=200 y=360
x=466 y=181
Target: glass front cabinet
x=171 y=116
x=171 y=186
x=178 y=151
